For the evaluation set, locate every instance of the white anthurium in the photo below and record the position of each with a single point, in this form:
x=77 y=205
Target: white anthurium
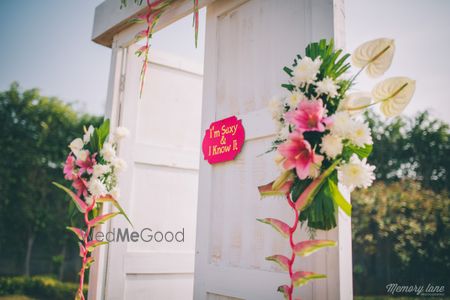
x=354 y=103
x=375 y=56
x=394 y=94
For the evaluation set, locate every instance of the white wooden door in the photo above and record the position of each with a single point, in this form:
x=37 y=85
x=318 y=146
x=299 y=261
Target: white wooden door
x=159 y=187
x=247 y=45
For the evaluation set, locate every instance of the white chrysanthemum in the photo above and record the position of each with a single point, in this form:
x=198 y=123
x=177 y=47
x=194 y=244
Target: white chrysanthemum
x=119 y=164
x=96 y=187
x=276 y=109
x=88 y=133
x=331 y=145
x=342 y=124
x=294 y=98
x=115 y=192
x=76 y=145
x=82 y=154
x=327 y=87
x=356 y=173
x=306 y=70
x=100 y=170
x=89 y=200
x=108 y=152
x=120 y=133
x=360 y=135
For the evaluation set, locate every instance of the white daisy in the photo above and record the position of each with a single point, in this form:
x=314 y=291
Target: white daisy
x=119 y=164
x=327 y=87
x=100 y=170
x=360 y=135
x=331 y=145
x=108 y=152
x=306 y=70
x=356 y=173
x=96 y=187
x=342 y=125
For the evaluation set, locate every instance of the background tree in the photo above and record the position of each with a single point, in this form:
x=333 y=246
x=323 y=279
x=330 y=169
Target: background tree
x=401 y=225
x=33 y=144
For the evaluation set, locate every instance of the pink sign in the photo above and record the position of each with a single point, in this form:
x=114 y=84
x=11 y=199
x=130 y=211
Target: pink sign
x=223 y=140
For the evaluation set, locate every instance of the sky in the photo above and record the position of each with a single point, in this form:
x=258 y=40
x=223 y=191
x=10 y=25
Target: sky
x=47 y=44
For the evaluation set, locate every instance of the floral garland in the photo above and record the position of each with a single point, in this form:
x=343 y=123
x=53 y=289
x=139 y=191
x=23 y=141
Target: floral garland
x=92 y=167
x=322 y=142
x=151 y=17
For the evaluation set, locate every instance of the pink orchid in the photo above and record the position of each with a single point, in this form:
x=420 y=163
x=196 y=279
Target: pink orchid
x=87 y=164
x=80 y=185
x=299 y=155
x=69 y=166
x=310 y=115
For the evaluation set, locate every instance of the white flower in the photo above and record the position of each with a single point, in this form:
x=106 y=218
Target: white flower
x=100 y=170
x=119 y=164
x=294 y=98
x=342 y=124
x=88 y=133
x=276 y=109
x=356 y=173
x=331 y=145
x=108 y=152
x=120 y=133
x=96 y=187
x=76 y=145
x=360 y=135
x=115 y=192
x=328 y=87
x=82 y=154
x=306 y=70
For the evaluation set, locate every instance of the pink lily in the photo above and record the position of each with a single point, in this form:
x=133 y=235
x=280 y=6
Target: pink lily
x=87 y=164
x=80 y=185
x=310 y=115
x=298 y=154
x=69 y=166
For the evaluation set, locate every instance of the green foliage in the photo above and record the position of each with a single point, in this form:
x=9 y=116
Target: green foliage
x=39 y=287
x=334 y=64
x=417 y=148
x=400 y=234
x=36 y=131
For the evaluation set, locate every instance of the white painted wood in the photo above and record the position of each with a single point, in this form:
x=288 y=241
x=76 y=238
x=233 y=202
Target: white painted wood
x=247 y=44
x=159 y=188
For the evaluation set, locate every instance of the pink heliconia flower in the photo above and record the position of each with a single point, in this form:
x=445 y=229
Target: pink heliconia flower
x=87 y=164
x=310 y=115
x=298 y=154
x=69 y=166
x=80 y=185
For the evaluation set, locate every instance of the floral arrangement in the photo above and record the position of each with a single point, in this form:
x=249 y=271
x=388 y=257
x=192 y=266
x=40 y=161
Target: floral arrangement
x=154 y=11
x=92 y=167
x=322 y=141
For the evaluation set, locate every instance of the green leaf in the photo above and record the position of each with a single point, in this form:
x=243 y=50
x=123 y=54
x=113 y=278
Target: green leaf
x=81 y=205
x=102 y=219
x=116 y=205
x=362 y=152
x=90 y=246
x=338 y=198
